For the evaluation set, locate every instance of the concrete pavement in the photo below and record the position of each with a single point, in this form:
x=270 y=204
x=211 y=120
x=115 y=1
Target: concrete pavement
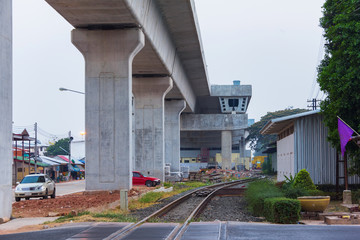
x=196 y=231
x=22 y=222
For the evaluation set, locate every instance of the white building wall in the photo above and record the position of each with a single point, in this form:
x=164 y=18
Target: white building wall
x=78 y=149
x=285 y=157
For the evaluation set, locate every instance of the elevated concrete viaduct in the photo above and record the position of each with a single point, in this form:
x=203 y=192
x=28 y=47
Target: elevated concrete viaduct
x=148 y=48
x=142 y=57
x=222 y=121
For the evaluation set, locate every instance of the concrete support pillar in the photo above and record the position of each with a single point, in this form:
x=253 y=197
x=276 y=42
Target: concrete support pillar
x=108 y=95
x=226 y=149
x=242 y=145
x=149 y=96
x=173 y=110
x=6 y=157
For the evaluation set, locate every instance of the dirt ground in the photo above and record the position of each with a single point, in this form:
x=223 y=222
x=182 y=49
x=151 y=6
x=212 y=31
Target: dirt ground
x=77 y=202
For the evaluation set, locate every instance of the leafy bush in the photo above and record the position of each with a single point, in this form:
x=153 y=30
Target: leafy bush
x=303 y=180
x=316 y=192
x=256 y=194
x=282 y=210
x=355 y=195
x=300 y=185
x=294 y=192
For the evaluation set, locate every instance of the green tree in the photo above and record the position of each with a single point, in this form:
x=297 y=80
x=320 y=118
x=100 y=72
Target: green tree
x=339 y=72
x=60 y=147
x=259 y=142
x=303 y=180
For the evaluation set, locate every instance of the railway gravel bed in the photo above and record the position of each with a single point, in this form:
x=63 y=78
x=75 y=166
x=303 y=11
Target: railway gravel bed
x=181 y=212
x=227 y=208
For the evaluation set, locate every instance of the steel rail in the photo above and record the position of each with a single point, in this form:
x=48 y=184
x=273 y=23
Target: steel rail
x=197 y=211
x=123 y=232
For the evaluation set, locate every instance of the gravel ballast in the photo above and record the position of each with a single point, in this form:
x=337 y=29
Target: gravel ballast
x=227 y=208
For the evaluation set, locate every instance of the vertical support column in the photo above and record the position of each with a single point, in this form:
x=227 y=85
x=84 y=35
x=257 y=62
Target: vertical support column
x=242 y=153
x=226 y=149
x=108 y=94
x=149 y=130
x=6 y=157
x=173 y=110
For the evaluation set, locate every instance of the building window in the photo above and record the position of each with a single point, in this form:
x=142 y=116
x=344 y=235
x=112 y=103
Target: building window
x=186 y=161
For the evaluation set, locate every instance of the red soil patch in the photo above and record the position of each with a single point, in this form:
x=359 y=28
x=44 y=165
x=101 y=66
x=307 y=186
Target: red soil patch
x=64 y=205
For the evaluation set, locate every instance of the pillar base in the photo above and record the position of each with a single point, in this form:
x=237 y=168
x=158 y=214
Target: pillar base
x=347 y=197
x=5 y=201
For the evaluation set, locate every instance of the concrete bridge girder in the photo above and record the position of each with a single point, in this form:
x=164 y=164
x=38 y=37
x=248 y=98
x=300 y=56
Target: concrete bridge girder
x=213 y=122
x=210 y=139
x=177 y=53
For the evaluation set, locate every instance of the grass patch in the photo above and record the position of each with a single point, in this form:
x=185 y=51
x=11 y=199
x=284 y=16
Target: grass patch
x=108 y=216
x=335 y=206
x=115 y=217
x=70 y=217
x=152 y=198
x=118 y=215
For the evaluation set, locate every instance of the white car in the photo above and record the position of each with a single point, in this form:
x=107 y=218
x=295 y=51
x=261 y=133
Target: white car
x=35 y=185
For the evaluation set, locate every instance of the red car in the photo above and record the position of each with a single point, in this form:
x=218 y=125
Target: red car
x=140 y=179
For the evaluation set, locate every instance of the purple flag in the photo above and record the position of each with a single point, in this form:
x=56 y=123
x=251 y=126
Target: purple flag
x=345 y=133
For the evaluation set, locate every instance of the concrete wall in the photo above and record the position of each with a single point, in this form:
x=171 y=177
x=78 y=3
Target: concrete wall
x=231 y=90
x=285 y=157
x=194 y=167
x=195 y=153
x=213 y=122
x=5 y=107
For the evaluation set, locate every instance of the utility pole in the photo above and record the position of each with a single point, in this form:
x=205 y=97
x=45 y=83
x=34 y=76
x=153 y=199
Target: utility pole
x=314 y=103
x=69 y=166
x=36 y=149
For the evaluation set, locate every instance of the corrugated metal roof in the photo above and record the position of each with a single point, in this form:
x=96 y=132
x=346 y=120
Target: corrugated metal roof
x=274 y=126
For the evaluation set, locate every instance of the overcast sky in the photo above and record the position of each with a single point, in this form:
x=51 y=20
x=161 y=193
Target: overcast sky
x=272 y=45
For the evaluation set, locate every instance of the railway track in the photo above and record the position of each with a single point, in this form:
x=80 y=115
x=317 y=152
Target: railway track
x=184 y=209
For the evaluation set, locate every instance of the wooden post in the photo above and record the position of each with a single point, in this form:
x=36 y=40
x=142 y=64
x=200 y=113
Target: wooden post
x=345 y=172
x=337 y=173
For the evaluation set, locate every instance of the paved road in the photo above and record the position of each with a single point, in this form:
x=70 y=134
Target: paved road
x=70 y=187
x=197 y=231
x=64 y=188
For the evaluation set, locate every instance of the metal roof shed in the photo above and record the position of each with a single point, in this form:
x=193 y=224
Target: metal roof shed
x=302 y=143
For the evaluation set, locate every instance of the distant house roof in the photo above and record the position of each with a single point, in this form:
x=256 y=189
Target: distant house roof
x=274 y=126
x=66 y=158
x=51 y=161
